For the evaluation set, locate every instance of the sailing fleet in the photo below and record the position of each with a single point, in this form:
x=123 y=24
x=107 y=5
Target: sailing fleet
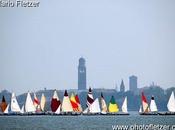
x=72 y=106
x=146 y=109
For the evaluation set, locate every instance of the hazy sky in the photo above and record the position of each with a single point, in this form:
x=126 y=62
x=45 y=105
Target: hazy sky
x=40 y=47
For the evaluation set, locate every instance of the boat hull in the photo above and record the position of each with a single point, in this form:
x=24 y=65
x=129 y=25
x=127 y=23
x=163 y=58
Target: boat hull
x=166 y=113
x=149 y=113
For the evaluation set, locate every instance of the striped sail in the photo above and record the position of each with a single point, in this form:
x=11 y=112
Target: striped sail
x=153 y=106
x=74 y=103
x=78 y=102
x=124 y=106
x=36 y=103
x=55 y=102
x=104 y=108
x=3 y=104
x=95 y=107
x=29 y=107
x=90 y=98
x=145 y=104
x=171 y=103
x=66 y=105
x=113 y=107
x=58 y=111
x=14 y=104
x=43 y=102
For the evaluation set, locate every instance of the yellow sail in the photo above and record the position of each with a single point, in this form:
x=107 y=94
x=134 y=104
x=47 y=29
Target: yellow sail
x=113 y=107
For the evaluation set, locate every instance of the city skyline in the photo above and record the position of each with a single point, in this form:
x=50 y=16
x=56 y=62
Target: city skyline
x=40 y=46
x=81 y=84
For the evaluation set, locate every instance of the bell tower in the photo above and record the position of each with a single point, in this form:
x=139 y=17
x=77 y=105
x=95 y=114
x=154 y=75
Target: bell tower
x=81 y=74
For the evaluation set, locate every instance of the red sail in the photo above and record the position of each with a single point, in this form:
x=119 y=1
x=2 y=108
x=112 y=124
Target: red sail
x=55 y=104
x=3 y=105
x=144 y=98
x=77 y=99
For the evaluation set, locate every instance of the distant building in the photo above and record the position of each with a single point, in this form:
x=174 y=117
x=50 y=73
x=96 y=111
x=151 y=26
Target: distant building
x=133 y=83
x=122 y=87
x=81 y=74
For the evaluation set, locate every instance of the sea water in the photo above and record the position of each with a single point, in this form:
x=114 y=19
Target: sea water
x=81 y=122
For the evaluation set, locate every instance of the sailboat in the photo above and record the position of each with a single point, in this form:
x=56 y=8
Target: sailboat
x=55 y=102
x=95 y=107
x=104 y=108
x=113 y=107
x=124 y=107
x=36 y=103
x=3 y=104
x=153 y=106
x=145 y=106
x=90 y=100
x=66 y=105
x=171 y=105
x=29 y=107
x=42 y=102
x=78 y=102
x=15 y=109
x=75 y=104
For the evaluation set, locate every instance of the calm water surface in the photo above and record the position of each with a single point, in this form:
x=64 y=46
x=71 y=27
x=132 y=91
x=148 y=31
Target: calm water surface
x=79 y=122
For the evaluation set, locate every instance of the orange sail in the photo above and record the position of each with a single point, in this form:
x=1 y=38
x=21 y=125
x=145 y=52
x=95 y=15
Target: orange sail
x=3 y=104
x=78 y=102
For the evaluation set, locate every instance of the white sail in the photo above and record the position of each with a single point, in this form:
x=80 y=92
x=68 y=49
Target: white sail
x=85 y=111
x=14 y=104
x=58 y=111
x=29 y=107
x=124 y=106
x=95 y=107
x=22 y=109
x=153 y=106
x=140 y=110
x=43 y=102
x=66 y=105
x=7 y=109
x=171 y=103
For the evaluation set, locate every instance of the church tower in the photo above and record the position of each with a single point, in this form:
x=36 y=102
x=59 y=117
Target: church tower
x=122 y=87
x=81 y=74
